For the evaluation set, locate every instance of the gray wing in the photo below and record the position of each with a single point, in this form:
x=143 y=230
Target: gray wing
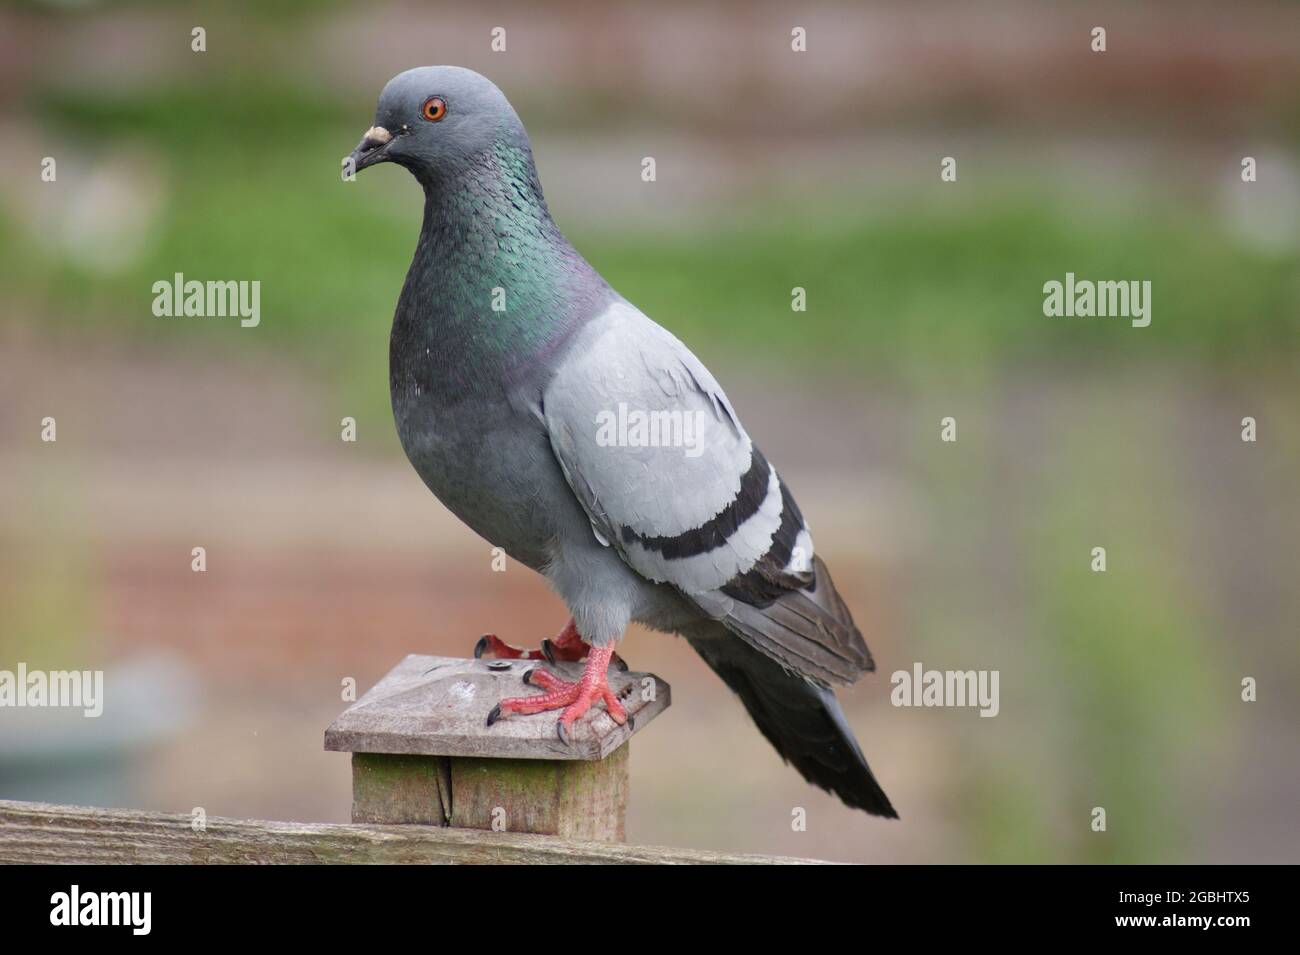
x=668 y=477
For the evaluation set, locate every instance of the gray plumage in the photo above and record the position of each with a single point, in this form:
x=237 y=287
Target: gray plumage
x=589 y=443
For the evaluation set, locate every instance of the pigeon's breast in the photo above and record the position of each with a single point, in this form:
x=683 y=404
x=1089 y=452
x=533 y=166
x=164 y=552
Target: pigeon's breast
x=493 y=468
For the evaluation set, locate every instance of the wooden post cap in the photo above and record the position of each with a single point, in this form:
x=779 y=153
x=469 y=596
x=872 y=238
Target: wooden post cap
x=422 y=752
x=439 y=706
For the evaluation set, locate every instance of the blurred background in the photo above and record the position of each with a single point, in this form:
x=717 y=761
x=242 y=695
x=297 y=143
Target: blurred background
x=329 y=560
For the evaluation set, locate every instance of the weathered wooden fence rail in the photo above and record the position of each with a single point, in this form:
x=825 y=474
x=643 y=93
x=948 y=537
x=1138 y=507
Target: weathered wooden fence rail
x=433 y=781
x=42 y=833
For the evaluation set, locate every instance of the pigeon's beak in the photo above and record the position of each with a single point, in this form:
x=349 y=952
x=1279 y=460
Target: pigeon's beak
x=371 y=149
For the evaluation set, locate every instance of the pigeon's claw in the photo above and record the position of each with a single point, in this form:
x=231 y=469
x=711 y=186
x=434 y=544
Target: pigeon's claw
x=490 y=645
x=567 y=646
x=575 y=699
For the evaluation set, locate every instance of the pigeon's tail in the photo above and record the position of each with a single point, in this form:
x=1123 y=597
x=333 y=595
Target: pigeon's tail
x=801 y=719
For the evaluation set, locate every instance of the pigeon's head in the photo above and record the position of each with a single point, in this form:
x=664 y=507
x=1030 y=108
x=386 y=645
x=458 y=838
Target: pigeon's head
x=435 y=121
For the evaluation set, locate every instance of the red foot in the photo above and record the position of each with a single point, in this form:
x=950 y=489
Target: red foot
x=574 y=698
x=567 y=646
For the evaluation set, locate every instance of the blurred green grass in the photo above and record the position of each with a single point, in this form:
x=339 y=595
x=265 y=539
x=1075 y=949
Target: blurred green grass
x=1124 y=669
x=252 y=192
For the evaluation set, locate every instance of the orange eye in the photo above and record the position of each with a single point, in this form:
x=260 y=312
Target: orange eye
x=434 y=109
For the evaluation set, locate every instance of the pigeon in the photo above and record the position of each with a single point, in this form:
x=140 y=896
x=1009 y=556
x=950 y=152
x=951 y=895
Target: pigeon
x=562 y=425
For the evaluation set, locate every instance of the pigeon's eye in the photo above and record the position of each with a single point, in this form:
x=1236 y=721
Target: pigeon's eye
x=434 y=109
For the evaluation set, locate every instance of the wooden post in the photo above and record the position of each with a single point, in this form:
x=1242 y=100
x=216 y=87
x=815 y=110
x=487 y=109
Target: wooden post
x=422 y=751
